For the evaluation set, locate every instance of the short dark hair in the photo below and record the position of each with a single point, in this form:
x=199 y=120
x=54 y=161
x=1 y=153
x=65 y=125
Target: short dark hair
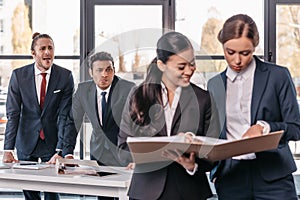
x=100 y=56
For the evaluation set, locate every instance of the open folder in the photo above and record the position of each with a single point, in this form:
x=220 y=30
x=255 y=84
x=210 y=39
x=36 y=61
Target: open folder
x=81 y=167
x=77 y=167
x=149 y=149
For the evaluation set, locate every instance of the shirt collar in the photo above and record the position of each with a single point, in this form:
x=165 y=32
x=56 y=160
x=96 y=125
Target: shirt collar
x=37 y=71
x=99 y=90
x=246 y=73
x=164 y=89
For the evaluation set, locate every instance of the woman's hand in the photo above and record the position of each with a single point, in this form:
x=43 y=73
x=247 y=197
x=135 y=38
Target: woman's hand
x=130 y=166
x=187 y=162
x=253 y=131
x=69 y=157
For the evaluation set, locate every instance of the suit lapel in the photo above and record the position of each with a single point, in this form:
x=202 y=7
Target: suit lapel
x=222 y=103
x=53 y=81
x=261 y=77
x=109 y=100
x=224 y=78
x=92 y=101
x=182 y=104
x=32 y=85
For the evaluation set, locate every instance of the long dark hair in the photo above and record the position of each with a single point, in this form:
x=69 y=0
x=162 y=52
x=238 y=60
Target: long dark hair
x=149 y=92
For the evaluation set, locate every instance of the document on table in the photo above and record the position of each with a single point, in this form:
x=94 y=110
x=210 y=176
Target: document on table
x=30 y=165
x=149 y=149
x=5 y=165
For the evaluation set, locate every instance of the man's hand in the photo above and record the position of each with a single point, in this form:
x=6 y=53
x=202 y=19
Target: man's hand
x=53 y=159
x=8 y=157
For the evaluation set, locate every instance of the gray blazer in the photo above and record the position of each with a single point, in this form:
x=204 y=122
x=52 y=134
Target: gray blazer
x=104 y=138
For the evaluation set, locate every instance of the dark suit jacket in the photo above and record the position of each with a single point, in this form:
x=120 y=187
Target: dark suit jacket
x=192 y=114
x=274 y=101
x=25 y=118
x=104 y=138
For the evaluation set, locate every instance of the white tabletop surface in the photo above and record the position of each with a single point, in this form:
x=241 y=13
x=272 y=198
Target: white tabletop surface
x=48 y=180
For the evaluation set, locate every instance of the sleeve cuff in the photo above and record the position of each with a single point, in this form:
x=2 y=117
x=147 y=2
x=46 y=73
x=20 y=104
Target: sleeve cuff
x=8 y=150
x=194 y=170
x=266 y=126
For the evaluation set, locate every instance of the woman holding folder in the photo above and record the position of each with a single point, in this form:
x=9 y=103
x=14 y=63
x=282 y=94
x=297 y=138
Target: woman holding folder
x=260 y=98
x=165 y=104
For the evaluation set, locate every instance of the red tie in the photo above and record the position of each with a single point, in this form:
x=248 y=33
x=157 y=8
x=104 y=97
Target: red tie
x=42 y=99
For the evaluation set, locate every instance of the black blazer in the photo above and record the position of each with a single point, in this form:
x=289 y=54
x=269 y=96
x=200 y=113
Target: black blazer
x=192 y=114
x=24 y=115
x=103 y=137
x=274 y=101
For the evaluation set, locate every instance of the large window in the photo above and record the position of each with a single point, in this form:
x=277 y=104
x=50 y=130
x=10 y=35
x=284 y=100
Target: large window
x=285 y=49
x=123 y=28
x=129 y=31
x=22 y=20
x=288 y=40
x=19 y=19
x=202 y=20
x=123 y=35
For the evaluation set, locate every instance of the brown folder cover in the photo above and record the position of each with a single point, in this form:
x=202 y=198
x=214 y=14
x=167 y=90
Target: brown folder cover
x=149 y=149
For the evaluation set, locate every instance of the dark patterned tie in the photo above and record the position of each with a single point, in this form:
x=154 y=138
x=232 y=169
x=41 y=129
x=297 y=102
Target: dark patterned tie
x=103 y=105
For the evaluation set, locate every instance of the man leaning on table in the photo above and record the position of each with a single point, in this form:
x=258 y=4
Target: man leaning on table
x=38 y=102
x=102 y=100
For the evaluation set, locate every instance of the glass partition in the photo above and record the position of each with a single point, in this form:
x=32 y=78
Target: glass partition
x=288 y=49
x=201 y=22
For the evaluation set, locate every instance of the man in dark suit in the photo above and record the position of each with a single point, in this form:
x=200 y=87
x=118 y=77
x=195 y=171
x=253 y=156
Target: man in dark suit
x=253 y=98
x=88 y=100
x=37 y=110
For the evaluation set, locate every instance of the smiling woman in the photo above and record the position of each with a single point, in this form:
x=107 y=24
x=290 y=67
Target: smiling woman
x=166 y=104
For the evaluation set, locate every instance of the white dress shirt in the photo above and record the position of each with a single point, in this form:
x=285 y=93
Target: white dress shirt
x=99 y=99
x=169 y=111
x=238 y=104
x=38 y=80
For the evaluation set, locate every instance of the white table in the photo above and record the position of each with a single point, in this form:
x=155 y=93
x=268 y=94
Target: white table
x=48 y=180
